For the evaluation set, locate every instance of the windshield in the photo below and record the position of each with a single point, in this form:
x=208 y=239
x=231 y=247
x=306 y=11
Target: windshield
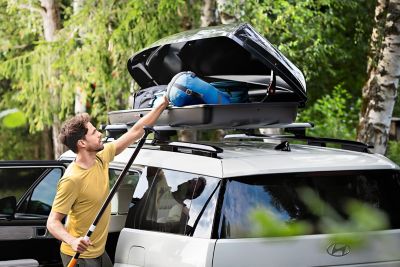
x=281 y=195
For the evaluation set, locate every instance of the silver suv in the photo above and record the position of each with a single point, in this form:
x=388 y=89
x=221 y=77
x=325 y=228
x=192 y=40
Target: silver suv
x=190 y=203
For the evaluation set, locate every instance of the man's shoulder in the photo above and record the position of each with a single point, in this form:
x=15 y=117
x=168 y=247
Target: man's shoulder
x=72 y=174
x=107 y=153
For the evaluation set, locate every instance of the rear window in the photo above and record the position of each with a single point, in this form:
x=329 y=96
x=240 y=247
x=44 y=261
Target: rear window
x=279 y=193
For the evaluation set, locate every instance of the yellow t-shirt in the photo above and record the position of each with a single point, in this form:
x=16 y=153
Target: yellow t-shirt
x=80 y=195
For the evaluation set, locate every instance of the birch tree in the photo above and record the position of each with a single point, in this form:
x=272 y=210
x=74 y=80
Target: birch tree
x=380 y=91
x=51 y=24
x=208 y=13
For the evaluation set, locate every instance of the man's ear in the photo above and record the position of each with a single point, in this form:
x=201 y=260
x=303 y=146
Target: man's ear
x=81 y=143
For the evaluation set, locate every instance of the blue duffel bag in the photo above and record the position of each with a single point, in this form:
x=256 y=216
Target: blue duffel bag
x=238 y=91
x=186 y=88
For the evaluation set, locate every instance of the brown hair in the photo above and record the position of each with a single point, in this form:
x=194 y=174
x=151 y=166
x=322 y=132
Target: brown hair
x=73 y=130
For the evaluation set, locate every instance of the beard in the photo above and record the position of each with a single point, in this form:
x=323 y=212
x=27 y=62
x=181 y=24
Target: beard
x=100 y=148
x=96 y=148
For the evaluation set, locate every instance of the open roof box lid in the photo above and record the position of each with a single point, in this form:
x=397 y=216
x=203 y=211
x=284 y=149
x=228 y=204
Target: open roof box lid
x=234 y=53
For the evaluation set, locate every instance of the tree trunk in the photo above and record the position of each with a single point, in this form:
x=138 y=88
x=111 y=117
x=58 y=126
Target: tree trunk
x=51 y=24
x=380 y=92
x=47 y=148
x=80 y=93
x=51 y=18
x=208 y=14
x=187 y=135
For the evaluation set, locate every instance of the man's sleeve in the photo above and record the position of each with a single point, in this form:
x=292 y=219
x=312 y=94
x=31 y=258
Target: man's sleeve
x=67 y=192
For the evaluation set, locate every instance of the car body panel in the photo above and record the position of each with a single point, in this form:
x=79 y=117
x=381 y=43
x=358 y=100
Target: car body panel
x=300 y=159
x=379 y=250
x=146 y=248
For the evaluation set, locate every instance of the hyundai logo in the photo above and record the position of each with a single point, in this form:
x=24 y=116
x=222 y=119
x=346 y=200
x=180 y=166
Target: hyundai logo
x=338 y=250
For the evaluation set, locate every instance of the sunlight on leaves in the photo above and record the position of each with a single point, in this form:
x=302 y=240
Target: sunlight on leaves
x=269 y=225
x=348 y=228
x=12 y=118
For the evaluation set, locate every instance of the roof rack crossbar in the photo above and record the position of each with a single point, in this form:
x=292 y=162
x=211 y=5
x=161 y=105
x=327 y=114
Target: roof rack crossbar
x=197 y=149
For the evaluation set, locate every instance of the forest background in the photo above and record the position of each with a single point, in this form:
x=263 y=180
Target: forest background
x=78 y=63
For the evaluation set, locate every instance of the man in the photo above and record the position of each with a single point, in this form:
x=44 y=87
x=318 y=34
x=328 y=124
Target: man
x=85 y=186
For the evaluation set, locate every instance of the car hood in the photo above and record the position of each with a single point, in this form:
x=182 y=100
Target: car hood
x=228 y=52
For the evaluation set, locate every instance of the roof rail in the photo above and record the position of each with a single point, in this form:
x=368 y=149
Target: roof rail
x=314 y=141
x=196 y=149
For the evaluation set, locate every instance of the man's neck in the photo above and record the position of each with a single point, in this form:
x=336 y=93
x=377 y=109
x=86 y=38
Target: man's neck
x=85 y=159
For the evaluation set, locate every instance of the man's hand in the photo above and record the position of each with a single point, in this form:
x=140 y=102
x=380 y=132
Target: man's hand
x=136 y=132
x=164 y=102
x=80 y=244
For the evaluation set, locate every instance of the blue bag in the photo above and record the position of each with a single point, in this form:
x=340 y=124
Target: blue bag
x=238 y=93
x=186 y=88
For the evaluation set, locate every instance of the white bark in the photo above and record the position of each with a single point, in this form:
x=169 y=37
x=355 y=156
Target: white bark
x=187 y=135
x=51 y=19
x=380 y=92
x=208 y=15
x=51 y=24
x=80 y=93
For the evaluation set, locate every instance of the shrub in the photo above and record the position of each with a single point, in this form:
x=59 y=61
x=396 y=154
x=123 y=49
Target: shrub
x=334 y=115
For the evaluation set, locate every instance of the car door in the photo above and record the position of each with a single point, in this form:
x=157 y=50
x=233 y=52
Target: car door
x=27 y=190
x=169 y=221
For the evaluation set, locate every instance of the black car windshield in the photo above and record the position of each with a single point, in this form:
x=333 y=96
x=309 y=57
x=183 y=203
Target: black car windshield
x=281 y=195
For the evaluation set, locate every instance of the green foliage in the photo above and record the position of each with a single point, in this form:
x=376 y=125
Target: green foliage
x=90 y=55
x=335 y=115
x=326 y=39
x=361 y=218
x=12 y=118
x=19 y=144
x=269 y=225
x=393 y=151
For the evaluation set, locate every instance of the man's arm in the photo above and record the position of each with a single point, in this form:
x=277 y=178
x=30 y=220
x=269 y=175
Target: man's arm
x=57 y=229
x=137 y=130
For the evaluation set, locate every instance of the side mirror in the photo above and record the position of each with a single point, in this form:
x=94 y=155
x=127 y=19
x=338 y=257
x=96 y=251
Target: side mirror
x=8 y=206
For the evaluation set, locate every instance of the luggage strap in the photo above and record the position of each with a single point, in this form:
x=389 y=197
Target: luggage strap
x=188 y=91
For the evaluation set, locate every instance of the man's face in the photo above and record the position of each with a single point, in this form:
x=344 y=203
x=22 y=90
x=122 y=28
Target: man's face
x=93 y=139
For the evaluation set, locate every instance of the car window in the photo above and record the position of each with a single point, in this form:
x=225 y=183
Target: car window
x=131 y=178
x=174 y=202
x=279 y=194
x=123 y=196
x=42 y=196
x=15 y=181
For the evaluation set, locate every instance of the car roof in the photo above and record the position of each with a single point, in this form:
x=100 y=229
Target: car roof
x=253 y=158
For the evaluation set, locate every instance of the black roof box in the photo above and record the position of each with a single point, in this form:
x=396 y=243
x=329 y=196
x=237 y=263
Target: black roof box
x=235 y=50
x=223 y=53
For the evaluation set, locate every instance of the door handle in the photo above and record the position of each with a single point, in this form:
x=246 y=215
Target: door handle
x=40 y=232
